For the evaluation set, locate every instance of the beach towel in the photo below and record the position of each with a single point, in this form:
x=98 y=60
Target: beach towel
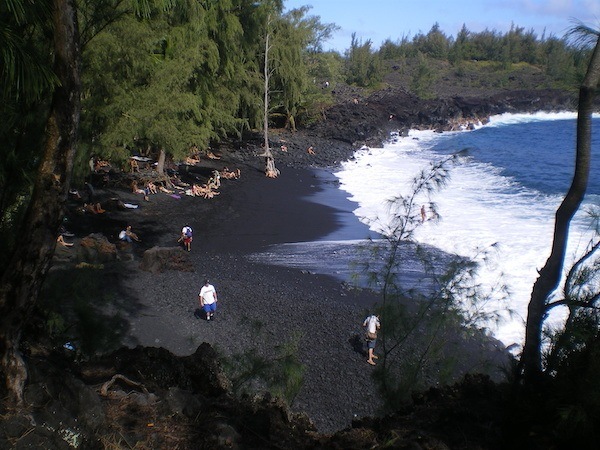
x=130 y=205
x=175 y=196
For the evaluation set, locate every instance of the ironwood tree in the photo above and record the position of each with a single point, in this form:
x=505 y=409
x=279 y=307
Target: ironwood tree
x=550 y=275
x=23 y=276
x=30 y=257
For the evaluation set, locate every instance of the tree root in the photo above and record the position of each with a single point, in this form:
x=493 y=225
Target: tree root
x=106 y=386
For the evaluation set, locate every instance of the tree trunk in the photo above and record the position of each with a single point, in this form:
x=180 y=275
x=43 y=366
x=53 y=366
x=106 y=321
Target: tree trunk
x=160 y=167
x=270 y=169
x=550 y=274
x=22 y=280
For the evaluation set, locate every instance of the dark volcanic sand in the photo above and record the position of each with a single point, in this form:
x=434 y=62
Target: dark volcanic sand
x=286 y=304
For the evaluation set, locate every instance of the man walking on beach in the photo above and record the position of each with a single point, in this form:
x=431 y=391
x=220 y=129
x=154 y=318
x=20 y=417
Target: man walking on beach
x=208 y=299
x=372 y=324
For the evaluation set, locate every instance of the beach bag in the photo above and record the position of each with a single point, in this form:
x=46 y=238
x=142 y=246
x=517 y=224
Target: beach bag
x=370 y=336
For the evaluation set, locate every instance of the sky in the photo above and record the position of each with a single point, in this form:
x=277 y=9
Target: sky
x=379 y=20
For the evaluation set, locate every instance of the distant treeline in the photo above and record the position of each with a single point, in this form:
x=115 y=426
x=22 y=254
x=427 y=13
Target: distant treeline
x=562 y=61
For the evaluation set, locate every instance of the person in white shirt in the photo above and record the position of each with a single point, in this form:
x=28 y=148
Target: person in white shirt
x=186 y=237
x=208 y=299
x=372 y=325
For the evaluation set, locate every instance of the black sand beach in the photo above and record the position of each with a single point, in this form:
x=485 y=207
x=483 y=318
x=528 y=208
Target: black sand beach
x=260 y=306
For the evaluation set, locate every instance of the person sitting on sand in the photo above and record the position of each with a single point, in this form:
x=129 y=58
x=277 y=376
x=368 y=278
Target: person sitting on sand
x=214 y=182
x=128 y=236
x=152 y=187
x=161 y=188
x=74 y=193
x=192 y=160
x=136 y=190
x=211 y=155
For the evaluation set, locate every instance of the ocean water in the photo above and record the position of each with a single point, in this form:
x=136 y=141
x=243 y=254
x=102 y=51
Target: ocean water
x=502 y=195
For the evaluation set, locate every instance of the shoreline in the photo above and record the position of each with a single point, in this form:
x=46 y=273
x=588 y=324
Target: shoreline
x=261 y=307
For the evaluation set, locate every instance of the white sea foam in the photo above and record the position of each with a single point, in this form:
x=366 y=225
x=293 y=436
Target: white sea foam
x=510 y=118
x=479 y=207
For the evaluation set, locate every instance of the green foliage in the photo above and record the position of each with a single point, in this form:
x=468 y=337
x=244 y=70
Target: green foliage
x=296 y=64
x=289 y=76
x=288 y=377
x=563 y=62
x=580 y=294
x=434 y=45
x=153 y=85
x=363 y=66
x=80 y=312
x=566 y=407
x=26 y=80
x=577 y=395
x=25 y=65
x=396 y=50
x=321 y=67
x=192 y=74
x=422 y=319
x=558 y=62
x=251 y=371
x=423 y=79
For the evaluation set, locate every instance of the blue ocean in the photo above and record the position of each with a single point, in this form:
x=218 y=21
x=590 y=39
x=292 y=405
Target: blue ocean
x=500 y=198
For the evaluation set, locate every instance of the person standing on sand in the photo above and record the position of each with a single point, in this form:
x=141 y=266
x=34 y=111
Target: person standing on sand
x=186 y=237
x=208 y=299
x=372 y=324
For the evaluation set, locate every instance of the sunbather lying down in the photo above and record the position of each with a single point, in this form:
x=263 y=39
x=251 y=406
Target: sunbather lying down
x=230 y=174
x=201 y=191
x=96 y=208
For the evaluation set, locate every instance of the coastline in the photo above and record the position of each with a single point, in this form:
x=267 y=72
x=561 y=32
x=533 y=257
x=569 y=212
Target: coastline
x=261 y=307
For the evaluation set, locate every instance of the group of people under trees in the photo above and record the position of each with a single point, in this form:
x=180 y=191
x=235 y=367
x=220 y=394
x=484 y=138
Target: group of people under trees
x=169 y=185
x=207 y=190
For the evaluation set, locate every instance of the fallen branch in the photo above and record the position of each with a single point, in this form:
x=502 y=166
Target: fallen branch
x=106 y=386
